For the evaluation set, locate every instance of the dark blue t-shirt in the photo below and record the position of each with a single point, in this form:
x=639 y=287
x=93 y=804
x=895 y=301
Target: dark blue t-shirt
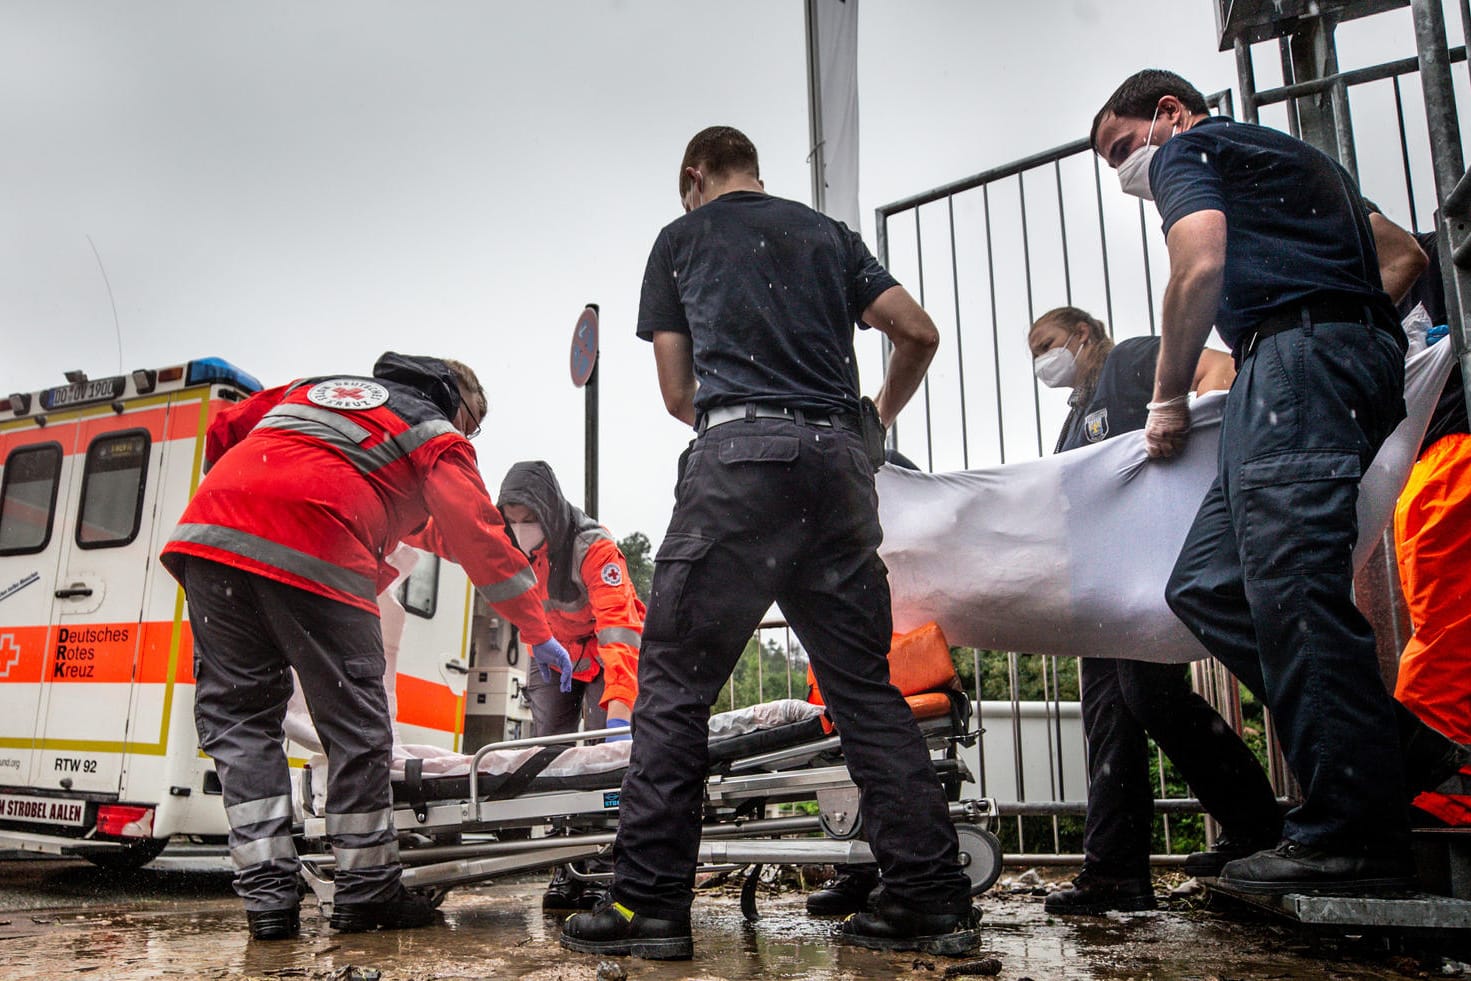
x=1119 y=403
x=1297 y=229
x=768 y=291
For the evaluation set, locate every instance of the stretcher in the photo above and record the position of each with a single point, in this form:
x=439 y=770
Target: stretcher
x=531 y=804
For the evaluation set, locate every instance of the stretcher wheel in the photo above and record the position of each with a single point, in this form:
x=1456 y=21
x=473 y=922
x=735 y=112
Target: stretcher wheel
x=980 y=855
x=845 y=829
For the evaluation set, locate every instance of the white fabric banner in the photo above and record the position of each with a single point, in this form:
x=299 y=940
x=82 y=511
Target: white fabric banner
x=1069 y=554
x=834 y=47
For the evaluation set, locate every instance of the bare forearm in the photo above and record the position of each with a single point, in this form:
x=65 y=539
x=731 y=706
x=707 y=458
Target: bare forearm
x=681 y=405
x=674 y=363
x=1189 y=312
x=907 y=366
x=903 y=321
x=1197 y=245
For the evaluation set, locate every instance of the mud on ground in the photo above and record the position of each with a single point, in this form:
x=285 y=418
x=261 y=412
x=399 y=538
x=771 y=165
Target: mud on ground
x=64 y=919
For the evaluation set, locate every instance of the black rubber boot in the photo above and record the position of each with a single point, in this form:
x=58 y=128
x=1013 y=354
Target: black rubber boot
x=892 y=926
x=403 y=911
x=274 y=924
x=613 y=928
x=846 y=893
x=1093 y=895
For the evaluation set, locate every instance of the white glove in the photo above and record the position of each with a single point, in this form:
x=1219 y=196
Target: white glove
x=1167 y=427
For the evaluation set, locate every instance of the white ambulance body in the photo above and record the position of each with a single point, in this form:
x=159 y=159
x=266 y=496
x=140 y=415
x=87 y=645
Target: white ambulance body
x=98 y=751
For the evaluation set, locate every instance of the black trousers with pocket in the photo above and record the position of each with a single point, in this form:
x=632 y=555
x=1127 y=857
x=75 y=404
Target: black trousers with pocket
x=768 y=510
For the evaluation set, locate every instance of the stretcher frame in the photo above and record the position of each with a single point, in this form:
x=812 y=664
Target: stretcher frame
x=579 y=824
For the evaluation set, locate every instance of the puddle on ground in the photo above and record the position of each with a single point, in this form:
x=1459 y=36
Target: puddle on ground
x=64 y=920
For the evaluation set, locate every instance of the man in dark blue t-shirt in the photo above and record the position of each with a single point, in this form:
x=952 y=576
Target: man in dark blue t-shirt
x=750 y=302
x=1270 y=242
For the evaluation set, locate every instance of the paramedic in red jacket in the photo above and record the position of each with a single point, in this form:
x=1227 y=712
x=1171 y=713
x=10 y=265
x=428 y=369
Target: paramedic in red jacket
x=281 y=555
x=592 y=609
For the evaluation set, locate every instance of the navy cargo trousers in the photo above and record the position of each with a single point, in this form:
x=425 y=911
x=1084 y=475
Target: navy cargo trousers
x=1265 y=577
x=765 y=510
x=249 y=632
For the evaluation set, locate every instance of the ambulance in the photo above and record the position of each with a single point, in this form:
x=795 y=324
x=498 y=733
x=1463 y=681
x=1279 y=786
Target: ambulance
x=98 y=751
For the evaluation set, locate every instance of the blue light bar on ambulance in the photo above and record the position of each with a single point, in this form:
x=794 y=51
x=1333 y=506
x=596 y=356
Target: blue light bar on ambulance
x=204 y=370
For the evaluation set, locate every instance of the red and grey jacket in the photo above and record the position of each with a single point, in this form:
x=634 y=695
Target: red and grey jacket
x=602 y=630
x=583 y=581
x=314 y=483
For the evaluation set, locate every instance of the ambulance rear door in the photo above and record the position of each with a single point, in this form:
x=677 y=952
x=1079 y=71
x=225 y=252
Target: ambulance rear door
x=35 y=485
x=98 y=599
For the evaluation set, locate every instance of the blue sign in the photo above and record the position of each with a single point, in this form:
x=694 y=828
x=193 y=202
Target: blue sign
x=584 y=347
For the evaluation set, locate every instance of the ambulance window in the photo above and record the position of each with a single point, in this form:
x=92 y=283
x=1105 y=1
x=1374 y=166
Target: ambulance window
x=112 y=490
x=28 y=498
x=419 y=593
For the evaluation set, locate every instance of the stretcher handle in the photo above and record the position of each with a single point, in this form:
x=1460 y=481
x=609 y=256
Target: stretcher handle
x=566 y=737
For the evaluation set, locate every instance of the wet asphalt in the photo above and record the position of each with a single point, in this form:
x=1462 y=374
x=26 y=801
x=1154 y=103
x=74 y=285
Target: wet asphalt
x=179 y=919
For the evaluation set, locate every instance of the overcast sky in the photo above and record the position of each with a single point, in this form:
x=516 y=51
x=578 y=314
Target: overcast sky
x=297 y=187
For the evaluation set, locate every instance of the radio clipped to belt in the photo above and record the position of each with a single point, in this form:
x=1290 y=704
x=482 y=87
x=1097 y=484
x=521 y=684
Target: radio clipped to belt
x=873 y=432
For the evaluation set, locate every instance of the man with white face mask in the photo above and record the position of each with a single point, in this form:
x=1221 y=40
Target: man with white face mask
x=1265 y=576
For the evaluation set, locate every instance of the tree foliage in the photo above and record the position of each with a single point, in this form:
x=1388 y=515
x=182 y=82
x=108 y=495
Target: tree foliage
x=764 y=676
x=638 y=552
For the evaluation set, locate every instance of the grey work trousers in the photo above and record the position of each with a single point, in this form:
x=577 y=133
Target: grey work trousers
x=249 y=632
x=554 y=712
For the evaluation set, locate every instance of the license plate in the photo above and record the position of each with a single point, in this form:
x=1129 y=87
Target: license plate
x=43 y=810
x=96 y=390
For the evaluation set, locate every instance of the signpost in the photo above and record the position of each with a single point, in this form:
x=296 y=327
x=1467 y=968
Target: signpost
x=584 y=365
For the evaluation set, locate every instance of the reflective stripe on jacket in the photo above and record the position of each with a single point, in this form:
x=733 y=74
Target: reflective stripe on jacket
x=604 y=630
x=316 y=497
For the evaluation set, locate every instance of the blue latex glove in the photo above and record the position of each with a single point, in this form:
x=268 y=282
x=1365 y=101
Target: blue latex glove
x=617 y=737
x=1437 y=333
x=550 y=654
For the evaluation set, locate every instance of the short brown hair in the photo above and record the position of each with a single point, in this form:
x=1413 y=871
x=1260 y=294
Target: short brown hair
x=1140 y=93
x=469 y=384
x=718 y=150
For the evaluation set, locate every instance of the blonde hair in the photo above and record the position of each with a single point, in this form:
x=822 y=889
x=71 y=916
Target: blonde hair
x=1094 y=352
x=469 y=384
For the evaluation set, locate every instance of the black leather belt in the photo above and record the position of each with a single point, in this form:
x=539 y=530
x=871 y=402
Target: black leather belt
x=1338 y=310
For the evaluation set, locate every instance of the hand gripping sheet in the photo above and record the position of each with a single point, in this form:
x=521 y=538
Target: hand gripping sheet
x=1069 y=554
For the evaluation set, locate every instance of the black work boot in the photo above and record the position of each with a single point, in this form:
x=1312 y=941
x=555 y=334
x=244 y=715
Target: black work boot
x=274 y=924
x=847 y=892
x=1295 y=867
x=893 y=926
x=1093 y=895
x=402 y=911
x=613 y=928
x=1228 y=848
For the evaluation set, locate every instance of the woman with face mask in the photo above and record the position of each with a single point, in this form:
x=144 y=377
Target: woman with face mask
x=592 y=610
x=1125 y=703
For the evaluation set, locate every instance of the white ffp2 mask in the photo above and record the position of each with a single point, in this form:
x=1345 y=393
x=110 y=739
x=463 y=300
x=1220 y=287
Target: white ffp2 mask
x=528 y=535
x=1134 y=171
x=1056 y=368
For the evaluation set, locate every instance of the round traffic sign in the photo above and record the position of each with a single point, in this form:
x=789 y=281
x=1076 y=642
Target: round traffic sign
x=584 y=346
